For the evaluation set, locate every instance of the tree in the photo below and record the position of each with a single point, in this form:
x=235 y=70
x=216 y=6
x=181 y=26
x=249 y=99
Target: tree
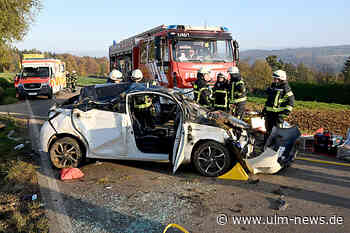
x=273 y=63
x=346 y=71
x=15 y=19
x=260 y=76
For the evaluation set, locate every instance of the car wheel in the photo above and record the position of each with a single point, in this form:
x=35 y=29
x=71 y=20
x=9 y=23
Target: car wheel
x=212 y=159
x=49 y=96
x=65 y=152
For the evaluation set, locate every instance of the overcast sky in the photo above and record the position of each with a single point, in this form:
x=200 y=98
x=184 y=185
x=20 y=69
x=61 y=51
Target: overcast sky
x=87 y=27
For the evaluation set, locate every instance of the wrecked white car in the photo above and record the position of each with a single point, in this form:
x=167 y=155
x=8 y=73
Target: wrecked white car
x=101 y=123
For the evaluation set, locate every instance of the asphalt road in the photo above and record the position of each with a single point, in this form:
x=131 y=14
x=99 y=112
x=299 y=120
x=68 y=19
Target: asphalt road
x=117 y=196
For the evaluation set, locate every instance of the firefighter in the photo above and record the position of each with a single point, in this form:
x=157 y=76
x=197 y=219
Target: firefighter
x=73 y=80
x=67 y=79
x=115 y=76
x=279 y=103
x=238 y=93
x=202 y=92
x=221 y=93
x=142 y=104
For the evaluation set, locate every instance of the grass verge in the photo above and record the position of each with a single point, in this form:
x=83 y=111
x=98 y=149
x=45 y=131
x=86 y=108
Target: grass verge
x=86 y=81
x=18 y=183
x=7 y=90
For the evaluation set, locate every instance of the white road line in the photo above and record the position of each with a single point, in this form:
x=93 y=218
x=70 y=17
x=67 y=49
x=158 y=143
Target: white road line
x=59 y=222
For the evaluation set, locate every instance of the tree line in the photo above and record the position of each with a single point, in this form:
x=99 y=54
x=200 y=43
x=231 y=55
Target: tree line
x=85 y=65
x=258 y=75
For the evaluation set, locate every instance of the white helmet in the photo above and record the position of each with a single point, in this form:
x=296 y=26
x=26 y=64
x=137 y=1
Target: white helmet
x=204 y=70
x=116 y=75
x=233 y=70
x=136 y=75
x=280 y=74
x=73 y=72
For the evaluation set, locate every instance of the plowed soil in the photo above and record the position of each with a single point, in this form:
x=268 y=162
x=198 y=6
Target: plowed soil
x=336 y=121
x=309 y=120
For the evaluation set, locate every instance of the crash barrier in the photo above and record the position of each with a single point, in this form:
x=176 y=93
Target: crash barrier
x=323 y=161
x=173 y=225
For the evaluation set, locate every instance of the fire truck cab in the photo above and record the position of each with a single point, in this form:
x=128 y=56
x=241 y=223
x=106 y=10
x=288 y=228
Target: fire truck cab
x=173 y=54
x=40 y=76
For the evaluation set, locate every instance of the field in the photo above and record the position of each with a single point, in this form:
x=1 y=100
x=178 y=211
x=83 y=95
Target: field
x=86 y=81
x=310 y=116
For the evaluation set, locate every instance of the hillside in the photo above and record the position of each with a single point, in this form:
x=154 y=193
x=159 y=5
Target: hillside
x=328 y=58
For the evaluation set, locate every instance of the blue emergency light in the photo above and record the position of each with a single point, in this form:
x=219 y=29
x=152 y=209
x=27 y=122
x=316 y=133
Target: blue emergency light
x=225 y=29
x=172 y=27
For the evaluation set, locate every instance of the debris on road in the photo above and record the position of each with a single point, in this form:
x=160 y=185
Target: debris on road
x=34 y=197
x=278 y=191
x=2 y=126
x=98 y=163
x=9 y=136
x=71 y=173
x=281 y=204
x=18 y=147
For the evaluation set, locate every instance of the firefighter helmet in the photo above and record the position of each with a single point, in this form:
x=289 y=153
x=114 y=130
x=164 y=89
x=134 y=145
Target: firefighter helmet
x=204 y=70
x=74 y=72
x=116 y=75
x=233 y=70
x=137 y=75
x=221 y=75
x=280 y=74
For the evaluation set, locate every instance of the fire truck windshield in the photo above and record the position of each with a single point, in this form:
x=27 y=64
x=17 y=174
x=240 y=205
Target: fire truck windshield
x=35 y=72
x=202 y=51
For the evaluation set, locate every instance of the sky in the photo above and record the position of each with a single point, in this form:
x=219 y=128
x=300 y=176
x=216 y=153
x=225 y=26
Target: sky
x=88 y=27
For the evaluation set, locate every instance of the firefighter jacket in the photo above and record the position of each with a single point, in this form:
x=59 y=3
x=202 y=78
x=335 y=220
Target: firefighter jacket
x=221 y=95
x=238 y=92
x=202 y=93
x=280 y=99
x=142 y=102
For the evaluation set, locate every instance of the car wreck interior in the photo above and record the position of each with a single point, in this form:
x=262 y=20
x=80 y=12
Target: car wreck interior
x=155 y=128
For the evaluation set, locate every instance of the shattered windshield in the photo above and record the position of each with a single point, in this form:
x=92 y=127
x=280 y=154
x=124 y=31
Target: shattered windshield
x=35 y=72
x=202 y=51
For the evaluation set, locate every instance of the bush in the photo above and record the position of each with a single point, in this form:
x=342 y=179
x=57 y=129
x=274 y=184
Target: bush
x=2 y=93
x=4 y=83
x=328 y=93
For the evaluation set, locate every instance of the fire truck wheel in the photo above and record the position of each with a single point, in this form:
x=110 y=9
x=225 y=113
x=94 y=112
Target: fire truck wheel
x=49 y=96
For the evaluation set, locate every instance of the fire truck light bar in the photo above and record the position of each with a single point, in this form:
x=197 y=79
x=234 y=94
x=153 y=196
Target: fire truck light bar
x=183 y=27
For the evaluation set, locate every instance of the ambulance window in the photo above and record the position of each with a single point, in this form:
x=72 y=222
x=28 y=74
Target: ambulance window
x=143 y=53
x=151 y=51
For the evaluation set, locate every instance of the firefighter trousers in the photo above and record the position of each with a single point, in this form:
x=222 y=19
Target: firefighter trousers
x=238 y=109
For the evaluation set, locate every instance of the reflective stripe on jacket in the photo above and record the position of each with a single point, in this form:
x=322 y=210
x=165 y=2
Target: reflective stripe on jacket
x=280 y=99
x=238 y=92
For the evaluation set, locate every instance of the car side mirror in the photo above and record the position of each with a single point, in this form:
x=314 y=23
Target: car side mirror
x=158 y=51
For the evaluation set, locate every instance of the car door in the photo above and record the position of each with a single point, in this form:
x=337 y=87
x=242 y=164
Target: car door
x=179 y=145
x=105 y=132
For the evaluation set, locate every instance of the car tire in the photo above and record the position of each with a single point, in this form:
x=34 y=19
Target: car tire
x=212 y=159
x=66 y=152
x=49 y=96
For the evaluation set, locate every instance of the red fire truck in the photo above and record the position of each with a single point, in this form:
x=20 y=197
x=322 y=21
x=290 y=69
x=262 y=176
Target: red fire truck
x=173 y=54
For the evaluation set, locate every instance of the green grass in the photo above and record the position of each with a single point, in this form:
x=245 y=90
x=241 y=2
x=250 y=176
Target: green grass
x=9 y=95
x=304 y=104
x=17 y=180
x=86 y=81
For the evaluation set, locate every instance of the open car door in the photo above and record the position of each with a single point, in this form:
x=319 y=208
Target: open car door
x=179 y=145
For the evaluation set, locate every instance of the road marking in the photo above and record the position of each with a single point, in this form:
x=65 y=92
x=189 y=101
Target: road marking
x=58 y=219
x=323 y=161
